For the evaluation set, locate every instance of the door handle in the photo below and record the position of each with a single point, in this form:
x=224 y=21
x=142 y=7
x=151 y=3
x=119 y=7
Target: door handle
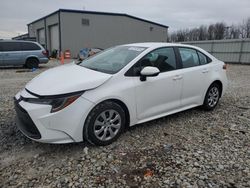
x=177 y=77
x=205 y=71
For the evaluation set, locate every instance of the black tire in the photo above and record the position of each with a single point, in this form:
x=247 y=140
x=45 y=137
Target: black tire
x=210 y=102
x=90 y=126
x=32 y=63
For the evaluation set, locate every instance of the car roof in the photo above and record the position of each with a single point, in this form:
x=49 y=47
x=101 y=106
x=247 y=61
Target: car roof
x=155 y=45
x=9 y=40
x=158 y=44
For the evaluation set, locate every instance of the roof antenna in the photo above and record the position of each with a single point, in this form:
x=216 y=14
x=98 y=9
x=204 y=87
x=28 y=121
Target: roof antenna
x=83 y=7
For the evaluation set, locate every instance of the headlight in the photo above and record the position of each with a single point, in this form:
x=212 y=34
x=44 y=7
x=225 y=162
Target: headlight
x=56 y=103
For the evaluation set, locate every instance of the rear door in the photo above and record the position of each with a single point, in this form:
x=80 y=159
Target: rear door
x=195 y=76
x=12 y=54
x=31 y=49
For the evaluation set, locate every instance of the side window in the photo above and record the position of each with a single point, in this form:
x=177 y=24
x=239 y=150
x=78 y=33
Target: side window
x=1 y=47
x=189 y=57
x=163 y=58
x=11 y=46
x=203 y=58
x=28 y=46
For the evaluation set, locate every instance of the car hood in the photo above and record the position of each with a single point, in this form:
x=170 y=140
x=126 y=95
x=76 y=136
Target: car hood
x=66 y=79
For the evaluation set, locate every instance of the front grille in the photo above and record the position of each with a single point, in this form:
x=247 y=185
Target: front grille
x=25 y=123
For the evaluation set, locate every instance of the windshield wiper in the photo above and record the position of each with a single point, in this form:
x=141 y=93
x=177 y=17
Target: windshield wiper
x=95 y=69
x=98 y=70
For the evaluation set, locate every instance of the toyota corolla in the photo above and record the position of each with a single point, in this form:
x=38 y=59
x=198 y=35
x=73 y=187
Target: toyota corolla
x=96 y=99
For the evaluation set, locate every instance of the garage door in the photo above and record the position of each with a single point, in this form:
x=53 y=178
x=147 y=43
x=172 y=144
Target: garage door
x=54 y=37
x=41 y=36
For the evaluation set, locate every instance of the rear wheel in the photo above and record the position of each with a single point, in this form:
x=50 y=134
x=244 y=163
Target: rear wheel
x=32 y=63
x=212 y=97
x=104 y=124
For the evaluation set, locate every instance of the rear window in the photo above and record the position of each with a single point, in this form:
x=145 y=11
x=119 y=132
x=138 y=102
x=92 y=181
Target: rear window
x=203 y=58
x=11 y=46
x=27 y=46
x=189 y=57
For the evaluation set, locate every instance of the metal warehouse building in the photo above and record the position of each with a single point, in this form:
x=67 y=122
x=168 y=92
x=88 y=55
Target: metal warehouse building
x=74 y=29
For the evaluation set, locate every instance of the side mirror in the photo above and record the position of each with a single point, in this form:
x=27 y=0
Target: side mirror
x=148 y=72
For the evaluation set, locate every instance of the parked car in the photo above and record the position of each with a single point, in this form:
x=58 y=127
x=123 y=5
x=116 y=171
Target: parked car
x=120 y=87
x=87 y=52
x=22 y=53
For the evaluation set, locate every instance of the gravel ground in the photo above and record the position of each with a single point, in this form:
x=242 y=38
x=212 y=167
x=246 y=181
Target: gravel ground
x=189 y=149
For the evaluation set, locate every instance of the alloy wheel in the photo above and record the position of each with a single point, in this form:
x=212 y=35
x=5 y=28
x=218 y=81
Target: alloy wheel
x=107 y=125
x=213 y=96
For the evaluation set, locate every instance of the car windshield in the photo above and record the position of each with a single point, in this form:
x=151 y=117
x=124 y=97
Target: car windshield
x=112 y=60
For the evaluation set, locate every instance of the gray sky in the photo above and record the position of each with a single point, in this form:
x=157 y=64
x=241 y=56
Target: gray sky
x=15 y=14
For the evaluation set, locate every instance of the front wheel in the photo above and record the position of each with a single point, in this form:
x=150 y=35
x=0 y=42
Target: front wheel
x=104 y=124
x=212 y=97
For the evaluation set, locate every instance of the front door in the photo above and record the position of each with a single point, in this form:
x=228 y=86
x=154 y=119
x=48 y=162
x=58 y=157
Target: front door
x=160 y=94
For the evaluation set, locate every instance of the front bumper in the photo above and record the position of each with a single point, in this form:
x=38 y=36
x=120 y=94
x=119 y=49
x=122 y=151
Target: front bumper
x=26 y=125
x=39 y=124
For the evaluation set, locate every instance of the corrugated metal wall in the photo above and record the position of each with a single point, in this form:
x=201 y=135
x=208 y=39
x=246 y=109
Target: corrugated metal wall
x=231 y=51
x=104 y=31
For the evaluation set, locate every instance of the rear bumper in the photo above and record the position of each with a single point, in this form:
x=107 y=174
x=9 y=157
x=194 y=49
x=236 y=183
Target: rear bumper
x=43 y=60
x=224 y=83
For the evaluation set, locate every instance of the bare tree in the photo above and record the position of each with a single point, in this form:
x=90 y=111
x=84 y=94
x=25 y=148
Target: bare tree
x=211 y=30
x=202 y=32
x=244 y=29
x=181 y=36
x=215 y=31
x=219 y=30
x=247 y=28
x=234 y=32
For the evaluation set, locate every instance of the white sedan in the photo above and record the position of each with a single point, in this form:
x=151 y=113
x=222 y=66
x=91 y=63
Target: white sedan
x=96 y=99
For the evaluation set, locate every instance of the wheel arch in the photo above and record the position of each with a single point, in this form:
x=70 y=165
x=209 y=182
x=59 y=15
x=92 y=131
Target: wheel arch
x=122 y=104
x=88 y=136
x=220 y=84
x=125 y=108
x=31 y=57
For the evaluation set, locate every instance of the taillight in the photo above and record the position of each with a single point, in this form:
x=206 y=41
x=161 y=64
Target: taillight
x=225 y=67
x=45 y=53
